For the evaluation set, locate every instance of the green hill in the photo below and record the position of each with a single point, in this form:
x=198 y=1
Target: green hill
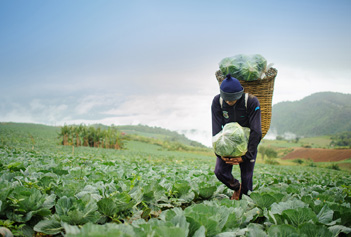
x=155 y=133
x=158 y=133
x=323 y=113
x=38 y=132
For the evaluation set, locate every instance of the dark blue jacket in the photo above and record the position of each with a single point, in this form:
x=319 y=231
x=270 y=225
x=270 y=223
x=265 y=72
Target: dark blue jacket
x=247 y=117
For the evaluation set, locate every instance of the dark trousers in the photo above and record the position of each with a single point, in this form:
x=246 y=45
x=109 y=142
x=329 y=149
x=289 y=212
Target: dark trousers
x=223 y=172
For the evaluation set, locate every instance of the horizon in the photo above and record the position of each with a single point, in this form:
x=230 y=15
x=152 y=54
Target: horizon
x=271 y=135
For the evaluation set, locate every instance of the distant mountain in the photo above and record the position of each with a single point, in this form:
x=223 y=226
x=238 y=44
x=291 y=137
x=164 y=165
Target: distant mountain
x=322 y=113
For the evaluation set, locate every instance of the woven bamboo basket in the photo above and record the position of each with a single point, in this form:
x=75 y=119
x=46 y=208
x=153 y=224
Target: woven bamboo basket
x=263 y=90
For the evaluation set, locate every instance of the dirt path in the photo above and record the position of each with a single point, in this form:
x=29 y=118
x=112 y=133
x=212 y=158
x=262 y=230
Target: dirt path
x=319 y=154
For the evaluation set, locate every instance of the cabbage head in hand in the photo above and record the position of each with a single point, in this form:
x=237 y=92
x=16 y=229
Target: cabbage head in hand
x=231 y=141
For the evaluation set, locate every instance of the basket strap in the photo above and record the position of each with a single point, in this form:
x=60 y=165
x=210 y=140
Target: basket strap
x=246 y=99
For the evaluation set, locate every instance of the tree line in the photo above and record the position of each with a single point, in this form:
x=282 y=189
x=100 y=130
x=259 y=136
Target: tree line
x=82 y=135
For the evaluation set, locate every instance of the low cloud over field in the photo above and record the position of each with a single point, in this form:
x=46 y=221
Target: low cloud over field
x=188 y=113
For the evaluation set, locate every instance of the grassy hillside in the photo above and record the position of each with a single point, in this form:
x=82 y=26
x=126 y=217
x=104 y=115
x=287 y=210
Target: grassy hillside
x=159 y=133
x=36 y=135
x=155 y=133
x=29 y=135
x=323 y=113
x=313 y=142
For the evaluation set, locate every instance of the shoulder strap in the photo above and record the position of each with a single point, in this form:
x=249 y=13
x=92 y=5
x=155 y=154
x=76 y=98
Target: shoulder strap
x=246 y=99
x=221 y=102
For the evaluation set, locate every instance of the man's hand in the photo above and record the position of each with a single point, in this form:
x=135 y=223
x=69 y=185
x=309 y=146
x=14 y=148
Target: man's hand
x=232 y=160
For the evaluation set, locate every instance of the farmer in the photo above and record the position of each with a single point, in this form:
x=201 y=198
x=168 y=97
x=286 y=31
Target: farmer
x=229 y=106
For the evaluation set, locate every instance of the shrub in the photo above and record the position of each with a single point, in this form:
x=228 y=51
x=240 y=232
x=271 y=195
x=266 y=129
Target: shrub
x=306 y=146
x=271 y=162
x=271 y=153
x=333 y=167
x=299 y=161
x=311 y=164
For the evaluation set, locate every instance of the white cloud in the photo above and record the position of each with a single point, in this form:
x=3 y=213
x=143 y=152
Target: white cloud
x=175 y=112
x=37 y=111
x=36 y=105
x=17 y=117
x=53 y=112
x=87 y=103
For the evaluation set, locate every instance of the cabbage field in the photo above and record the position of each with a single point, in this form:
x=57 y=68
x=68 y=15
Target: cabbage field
x=52 y=190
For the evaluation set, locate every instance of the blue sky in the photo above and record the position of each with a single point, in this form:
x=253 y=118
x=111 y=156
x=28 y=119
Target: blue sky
x=153 y=62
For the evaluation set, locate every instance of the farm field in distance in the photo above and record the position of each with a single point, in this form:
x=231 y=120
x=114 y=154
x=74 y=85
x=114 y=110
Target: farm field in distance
x=313 y=151
x=48 y=189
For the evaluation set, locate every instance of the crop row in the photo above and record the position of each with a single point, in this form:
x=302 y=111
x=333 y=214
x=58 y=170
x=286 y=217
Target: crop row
x=126 y=193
